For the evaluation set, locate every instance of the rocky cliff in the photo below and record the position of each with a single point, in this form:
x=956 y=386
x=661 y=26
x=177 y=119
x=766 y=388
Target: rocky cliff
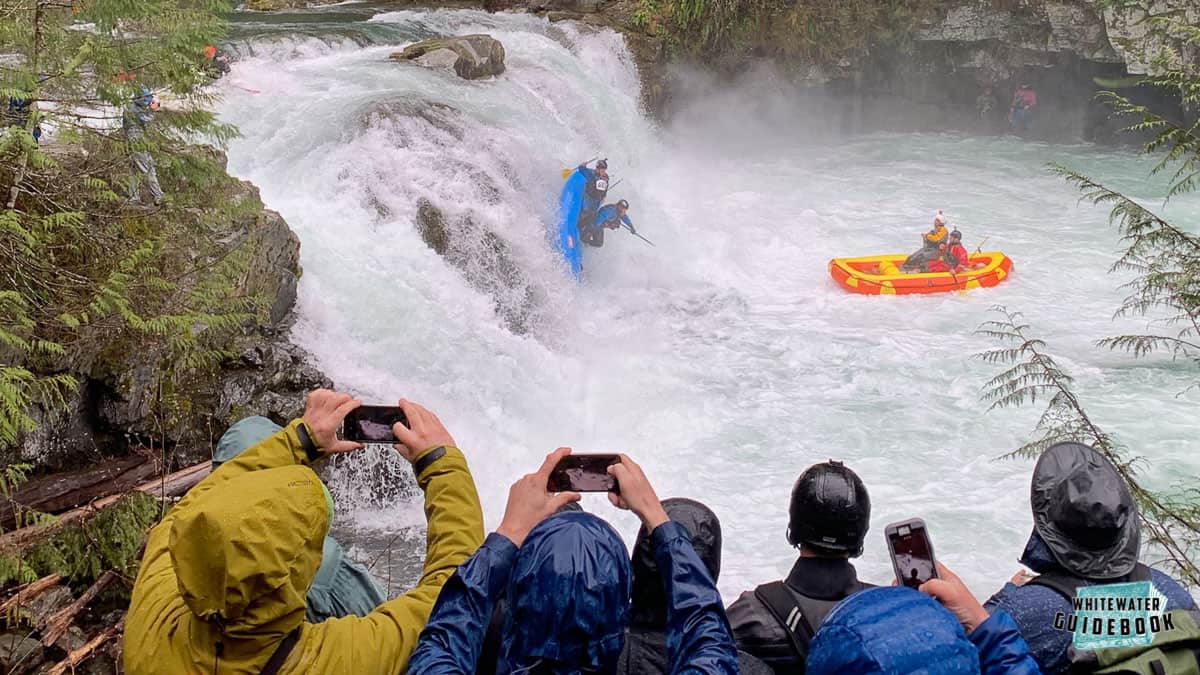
x=133 y=397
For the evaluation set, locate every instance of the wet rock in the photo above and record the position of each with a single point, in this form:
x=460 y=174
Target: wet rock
x=471 y=57
x=485 y=260
x=19 y=654
x=41 y=608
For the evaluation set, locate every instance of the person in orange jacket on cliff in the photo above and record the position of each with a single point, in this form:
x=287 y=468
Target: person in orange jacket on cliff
x=221 y=588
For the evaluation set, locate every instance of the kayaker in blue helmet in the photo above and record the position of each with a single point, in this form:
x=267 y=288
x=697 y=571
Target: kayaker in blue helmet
x=610 y=217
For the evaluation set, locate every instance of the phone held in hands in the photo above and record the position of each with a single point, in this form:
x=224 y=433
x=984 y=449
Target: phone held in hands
x=372 y=423
x=911 y=552
x=584 y=473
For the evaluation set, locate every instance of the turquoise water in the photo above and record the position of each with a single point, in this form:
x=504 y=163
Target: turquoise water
x=725 y=359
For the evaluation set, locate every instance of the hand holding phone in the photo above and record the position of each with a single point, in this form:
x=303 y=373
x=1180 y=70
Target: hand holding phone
x=583 y=473
x=373 y=423
x=530 y=500
x=637 y=494
x=911 y=552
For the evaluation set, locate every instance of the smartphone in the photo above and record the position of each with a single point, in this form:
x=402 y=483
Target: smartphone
x=372 y=423
x=911 y=551
x=584 y=473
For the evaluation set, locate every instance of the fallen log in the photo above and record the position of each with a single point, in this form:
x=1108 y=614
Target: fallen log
x=29 y=591
x=171 y=485
x=78 y=656
x=62 y=491
x=61 y=621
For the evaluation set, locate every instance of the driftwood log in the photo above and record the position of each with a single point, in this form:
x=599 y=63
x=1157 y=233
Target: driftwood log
x=78 y=656
x=63 y=491
x=170 y=485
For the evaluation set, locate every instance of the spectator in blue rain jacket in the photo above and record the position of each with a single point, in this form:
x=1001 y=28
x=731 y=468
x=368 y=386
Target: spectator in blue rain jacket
x=1086 y=532
x=898 y=630
x=567 y=581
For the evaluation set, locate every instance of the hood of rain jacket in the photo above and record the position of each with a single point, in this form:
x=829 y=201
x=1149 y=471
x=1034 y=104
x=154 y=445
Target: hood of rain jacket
x=568 y=595
x=649 y=599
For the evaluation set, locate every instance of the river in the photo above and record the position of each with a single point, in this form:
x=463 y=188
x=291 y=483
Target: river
x=724 y=359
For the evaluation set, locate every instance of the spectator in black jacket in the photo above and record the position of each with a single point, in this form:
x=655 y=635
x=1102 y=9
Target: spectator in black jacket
x=645 y=651
x=829 y=515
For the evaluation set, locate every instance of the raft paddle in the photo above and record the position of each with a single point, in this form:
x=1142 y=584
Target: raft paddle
x=979 y=248
x=567 y=172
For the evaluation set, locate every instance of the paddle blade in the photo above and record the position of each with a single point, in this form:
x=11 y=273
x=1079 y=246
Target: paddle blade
x=565 y=172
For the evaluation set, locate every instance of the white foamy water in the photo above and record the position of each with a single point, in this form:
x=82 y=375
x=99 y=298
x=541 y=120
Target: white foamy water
x=725 y=359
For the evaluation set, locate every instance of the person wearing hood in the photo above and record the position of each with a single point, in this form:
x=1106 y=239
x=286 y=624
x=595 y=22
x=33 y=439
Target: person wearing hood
x=1086 y=532
x=222 y=584
x=829 y=514
x=645 y=650
x=567 y=581
x=138 y=114
x=930 y=241
x=341 y=586
x=939 y=630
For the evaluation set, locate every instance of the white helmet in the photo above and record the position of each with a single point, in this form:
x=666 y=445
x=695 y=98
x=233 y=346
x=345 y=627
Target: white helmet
x=940 y=218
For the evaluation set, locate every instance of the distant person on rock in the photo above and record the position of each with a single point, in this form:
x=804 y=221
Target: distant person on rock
x=952 y=256
x=218 y=62
x=609 y=217
x=986 y=106
x=930 y=241
x=1020 y=114
x=222 y=585
x=828 y=518
x=17 y=115
x=595 y=189
x=1085 y=532
x=137 y=115
x=341 y=586
x=646 y=650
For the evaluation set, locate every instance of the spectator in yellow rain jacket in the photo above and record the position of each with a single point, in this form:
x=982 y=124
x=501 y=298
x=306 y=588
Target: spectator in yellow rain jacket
x=222 y=583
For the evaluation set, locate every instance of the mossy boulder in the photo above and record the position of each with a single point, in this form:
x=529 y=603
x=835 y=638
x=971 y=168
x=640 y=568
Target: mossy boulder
x=471 y=57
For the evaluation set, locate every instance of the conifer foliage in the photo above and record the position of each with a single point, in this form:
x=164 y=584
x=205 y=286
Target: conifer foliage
x=86 y=277
x=1163 y=258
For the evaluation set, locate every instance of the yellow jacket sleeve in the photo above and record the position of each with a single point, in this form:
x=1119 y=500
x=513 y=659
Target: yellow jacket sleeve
x=382 y=641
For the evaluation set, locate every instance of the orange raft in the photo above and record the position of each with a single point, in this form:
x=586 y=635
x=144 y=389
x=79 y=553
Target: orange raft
x=880 y=275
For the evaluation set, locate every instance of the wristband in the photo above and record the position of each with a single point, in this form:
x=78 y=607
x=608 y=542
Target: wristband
x=429 y=458
x=311 y=450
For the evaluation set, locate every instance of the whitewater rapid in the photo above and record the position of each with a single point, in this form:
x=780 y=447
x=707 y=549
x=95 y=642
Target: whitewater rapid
x=724 y=359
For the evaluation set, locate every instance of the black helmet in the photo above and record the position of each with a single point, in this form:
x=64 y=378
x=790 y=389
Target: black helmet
x=830 y=510
x=602 y=164
x=623 y=204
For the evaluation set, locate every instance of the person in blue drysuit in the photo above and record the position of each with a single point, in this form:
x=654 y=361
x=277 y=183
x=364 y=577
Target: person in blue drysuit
x=567 y=580
x=341 y=587
x=609 y=217
x=898 y=630
x=1086 y=531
